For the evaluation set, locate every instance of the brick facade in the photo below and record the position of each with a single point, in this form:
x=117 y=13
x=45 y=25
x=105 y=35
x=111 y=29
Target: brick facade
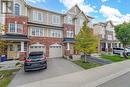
x=68 y=27
x=19 y=20
x=47 y=41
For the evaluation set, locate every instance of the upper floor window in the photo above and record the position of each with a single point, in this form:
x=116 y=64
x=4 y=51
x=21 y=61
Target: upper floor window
x=17 y=9
x=109 y=37
x=69 y=20
x=70 y=34
x=37 y=31
x=37 y=16
x=12 y=27
x=55 y=19
x=15 y=28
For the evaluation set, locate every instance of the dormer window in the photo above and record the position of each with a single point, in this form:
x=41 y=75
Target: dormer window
x=17 y=10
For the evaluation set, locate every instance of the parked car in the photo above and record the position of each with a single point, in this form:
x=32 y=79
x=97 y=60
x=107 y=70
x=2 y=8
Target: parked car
x=35 y=61
x=118 y=50
x=127 y=50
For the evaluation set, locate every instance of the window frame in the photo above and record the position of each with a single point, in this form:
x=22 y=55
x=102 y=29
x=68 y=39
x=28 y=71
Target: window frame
x=70 y=34
x=38 y=32
x=56 y=19
x=18 y=8
x=56 y=34
x=69 y=20
x=14 y=27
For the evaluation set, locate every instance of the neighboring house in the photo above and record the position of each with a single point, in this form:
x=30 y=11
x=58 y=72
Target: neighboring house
x=35 y=29
x=17 y=31
x=107 y=36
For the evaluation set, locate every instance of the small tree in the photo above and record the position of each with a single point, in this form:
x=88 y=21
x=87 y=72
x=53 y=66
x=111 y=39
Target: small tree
x=123 y=34
x=3 y=47
x=86 y=41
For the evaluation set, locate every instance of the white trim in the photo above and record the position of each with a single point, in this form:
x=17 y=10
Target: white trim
x=55 y=44
x=37 y=44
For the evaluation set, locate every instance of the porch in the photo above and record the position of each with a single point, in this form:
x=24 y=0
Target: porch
x=17 y=47
x=109 y=45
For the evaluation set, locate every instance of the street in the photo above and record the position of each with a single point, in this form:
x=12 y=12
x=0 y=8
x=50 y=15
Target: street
x=56 y=67
x=121 y=81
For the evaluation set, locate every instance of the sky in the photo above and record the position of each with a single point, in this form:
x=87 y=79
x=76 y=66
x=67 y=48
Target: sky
x=118 y=11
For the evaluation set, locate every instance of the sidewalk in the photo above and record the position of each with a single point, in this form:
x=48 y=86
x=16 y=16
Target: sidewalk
x=8 y=65
x=87 y=78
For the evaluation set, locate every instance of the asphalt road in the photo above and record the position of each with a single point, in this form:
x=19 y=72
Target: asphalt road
x=99 y=60
x=122 y=81
x=56 y=67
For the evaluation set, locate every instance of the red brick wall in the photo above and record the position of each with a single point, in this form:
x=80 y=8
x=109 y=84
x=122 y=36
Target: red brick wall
x=47 y=41
x=20 y=20
x=68 y=27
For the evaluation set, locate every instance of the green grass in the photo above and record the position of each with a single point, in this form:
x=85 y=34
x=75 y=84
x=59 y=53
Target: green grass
x=87 y=65
x=8 y=75
x=114 y=58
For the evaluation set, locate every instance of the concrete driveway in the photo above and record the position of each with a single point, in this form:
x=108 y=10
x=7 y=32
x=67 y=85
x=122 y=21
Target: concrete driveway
x=56 y=67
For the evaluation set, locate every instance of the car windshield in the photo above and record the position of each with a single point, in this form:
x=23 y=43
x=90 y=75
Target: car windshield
x=35 y=56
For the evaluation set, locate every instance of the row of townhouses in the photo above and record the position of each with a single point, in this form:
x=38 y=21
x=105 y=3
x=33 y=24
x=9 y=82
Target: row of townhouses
x=107 y=36
x=34 y=29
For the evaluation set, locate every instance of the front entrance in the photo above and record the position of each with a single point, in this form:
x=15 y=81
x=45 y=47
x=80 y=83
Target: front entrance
x=55 y=51
x=15 y=48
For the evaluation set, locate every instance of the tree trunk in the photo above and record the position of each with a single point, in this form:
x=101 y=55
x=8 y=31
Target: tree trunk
x=125 y=53
x=86 y=57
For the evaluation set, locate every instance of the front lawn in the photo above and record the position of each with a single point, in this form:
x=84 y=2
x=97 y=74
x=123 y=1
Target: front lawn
x=6 y=77
x=87 y=65
x=114 y=58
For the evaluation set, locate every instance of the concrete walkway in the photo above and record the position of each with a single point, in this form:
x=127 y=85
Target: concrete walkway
x=87 y=78
x=8 y=65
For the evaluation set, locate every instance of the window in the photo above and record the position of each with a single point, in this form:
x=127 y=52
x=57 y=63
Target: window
x=19 y=28
x=11 y=27
x=70 y=34
x=37 y=31
x=34 y=14
x=17 y=9
x=11 y=48
x=56 y=34
x=15 y=28
x=69 y=20
x=18 y=47
x=109 y=37
x=38 y=16
x=55 y=19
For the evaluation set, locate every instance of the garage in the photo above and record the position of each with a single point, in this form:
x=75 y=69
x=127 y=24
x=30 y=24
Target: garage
x=36 y=47
x=55 y=51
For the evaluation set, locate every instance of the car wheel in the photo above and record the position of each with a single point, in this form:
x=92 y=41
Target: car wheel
x=26 y=70
x=45 y=66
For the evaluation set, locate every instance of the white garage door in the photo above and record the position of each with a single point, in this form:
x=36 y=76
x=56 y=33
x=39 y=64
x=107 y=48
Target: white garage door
x=36 y=47
x=55 y=51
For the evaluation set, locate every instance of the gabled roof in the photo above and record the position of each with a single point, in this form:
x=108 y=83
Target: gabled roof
x=86 y=16
x=104 y=24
